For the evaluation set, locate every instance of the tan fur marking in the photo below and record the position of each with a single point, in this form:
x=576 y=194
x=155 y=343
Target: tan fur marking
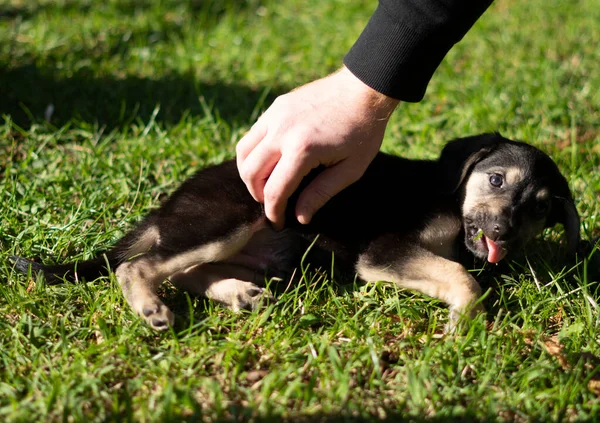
x=228 y=284
x=543 y=194
x=495 y=205
x=474 y=191
x=143 y=243
x=478 y=196
x=209 y=253
x=513 y=175
x=140 y=277
x=431 y=275
x=198 y=279
x=140 y=294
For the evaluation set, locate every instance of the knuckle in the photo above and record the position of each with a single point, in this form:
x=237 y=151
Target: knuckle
x=355 y=176
x=281 y=100
x=354 y=173
x=301 y=144
x=246 y=173
x=272 y=197
x=239 y=148
x=316 y=198
x=321 y=195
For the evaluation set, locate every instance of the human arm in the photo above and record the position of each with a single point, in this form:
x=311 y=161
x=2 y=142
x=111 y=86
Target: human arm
x=339 y=121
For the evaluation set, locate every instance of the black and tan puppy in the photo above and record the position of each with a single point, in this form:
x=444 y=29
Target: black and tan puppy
x=405 y=221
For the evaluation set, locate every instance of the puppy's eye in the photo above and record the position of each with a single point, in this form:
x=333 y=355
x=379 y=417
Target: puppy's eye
x=542 y=207
x=496 y=180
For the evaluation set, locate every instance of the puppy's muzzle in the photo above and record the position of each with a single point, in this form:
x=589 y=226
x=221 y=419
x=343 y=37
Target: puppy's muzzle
x=490 y=236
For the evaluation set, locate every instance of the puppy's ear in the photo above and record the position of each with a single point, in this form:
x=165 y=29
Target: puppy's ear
x=459 y=156
x=571 y=223
x=563 y=211
x=562 y=208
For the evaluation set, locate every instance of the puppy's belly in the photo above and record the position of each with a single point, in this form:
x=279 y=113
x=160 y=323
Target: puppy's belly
x=268 y=250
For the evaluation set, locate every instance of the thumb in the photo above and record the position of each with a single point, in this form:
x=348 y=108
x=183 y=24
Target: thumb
x=327 y=184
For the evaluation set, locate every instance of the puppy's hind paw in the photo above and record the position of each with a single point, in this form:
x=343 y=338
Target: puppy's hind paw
x=157 y=315
x=252 y=298
x=238 y=295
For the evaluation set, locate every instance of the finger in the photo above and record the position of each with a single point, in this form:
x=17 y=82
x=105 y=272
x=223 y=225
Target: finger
x=329 y=183
x=283 y=181
x=257 y=167
x=249 y=141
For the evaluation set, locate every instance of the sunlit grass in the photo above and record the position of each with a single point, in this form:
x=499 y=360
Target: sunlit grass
x=108 y=106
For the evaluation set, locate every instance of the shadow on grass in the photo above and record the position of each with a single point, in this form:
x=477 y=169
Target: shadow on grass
x=32 y=83
x=27 y=92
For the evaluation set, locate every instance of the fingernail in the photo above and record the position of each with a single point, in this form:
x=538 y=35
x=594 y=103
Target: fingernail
x=304 y=219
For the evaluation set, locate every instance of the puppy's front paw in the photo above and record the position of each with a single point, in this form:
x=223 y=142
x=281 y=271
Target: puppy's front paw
x=156 y=314
x=462 y=316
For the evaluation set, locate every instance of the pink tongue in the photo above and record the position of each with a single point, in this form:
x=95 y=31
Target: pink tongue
x=495 y=252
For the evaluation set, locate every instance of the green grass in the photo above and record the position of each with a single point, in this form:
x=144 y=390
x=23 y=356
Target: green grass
x=146 y=92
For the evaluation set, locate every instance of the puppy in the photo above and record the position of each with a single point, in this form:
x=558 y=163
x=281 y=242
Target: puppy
x=405 y=221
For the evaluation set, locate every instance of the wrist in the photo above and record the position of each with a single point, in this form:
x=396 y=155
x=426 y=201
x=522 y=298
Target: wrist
x=379 y=105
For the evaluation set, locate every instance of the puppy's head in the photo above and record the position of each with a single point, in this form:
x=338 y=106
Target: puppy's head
x=510 y=192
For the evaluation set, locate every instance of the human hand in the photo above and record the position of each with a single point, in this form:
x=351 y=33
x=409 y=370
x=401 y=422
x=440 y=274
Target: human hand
x=337 y=121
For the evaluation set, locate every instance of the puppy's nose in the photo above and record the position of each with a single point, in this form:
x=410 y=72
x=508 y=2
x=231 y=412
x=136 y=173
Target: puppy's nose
x=501 y=229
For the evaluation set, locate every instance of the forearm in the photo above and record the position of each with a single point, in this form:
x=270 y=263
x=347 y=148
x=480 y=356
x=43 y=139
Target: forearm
x=406 y=40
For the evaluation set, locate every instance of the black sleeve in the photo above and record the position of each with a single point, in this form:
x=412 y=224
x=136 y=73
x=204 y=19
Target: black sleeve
x=406 y=40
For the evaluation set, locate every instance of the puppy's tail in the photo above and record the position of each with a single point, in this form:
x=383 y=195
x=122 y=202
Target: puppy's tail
x=75 y=272
x=138 y=241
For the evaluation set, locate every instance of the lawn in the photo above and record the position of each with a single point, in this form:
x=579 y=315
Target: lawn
x=105 y=107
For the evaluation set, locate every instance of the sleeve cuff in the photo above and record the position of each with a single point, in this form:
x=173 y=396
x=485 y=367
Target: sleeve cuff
x=396 y=60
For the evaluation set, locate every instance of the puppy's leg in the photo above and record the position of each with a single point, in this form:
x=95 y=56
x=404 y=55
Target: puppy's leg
x=139 y=280
x=418 y=269
x=141 y=276
x=228 y=284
